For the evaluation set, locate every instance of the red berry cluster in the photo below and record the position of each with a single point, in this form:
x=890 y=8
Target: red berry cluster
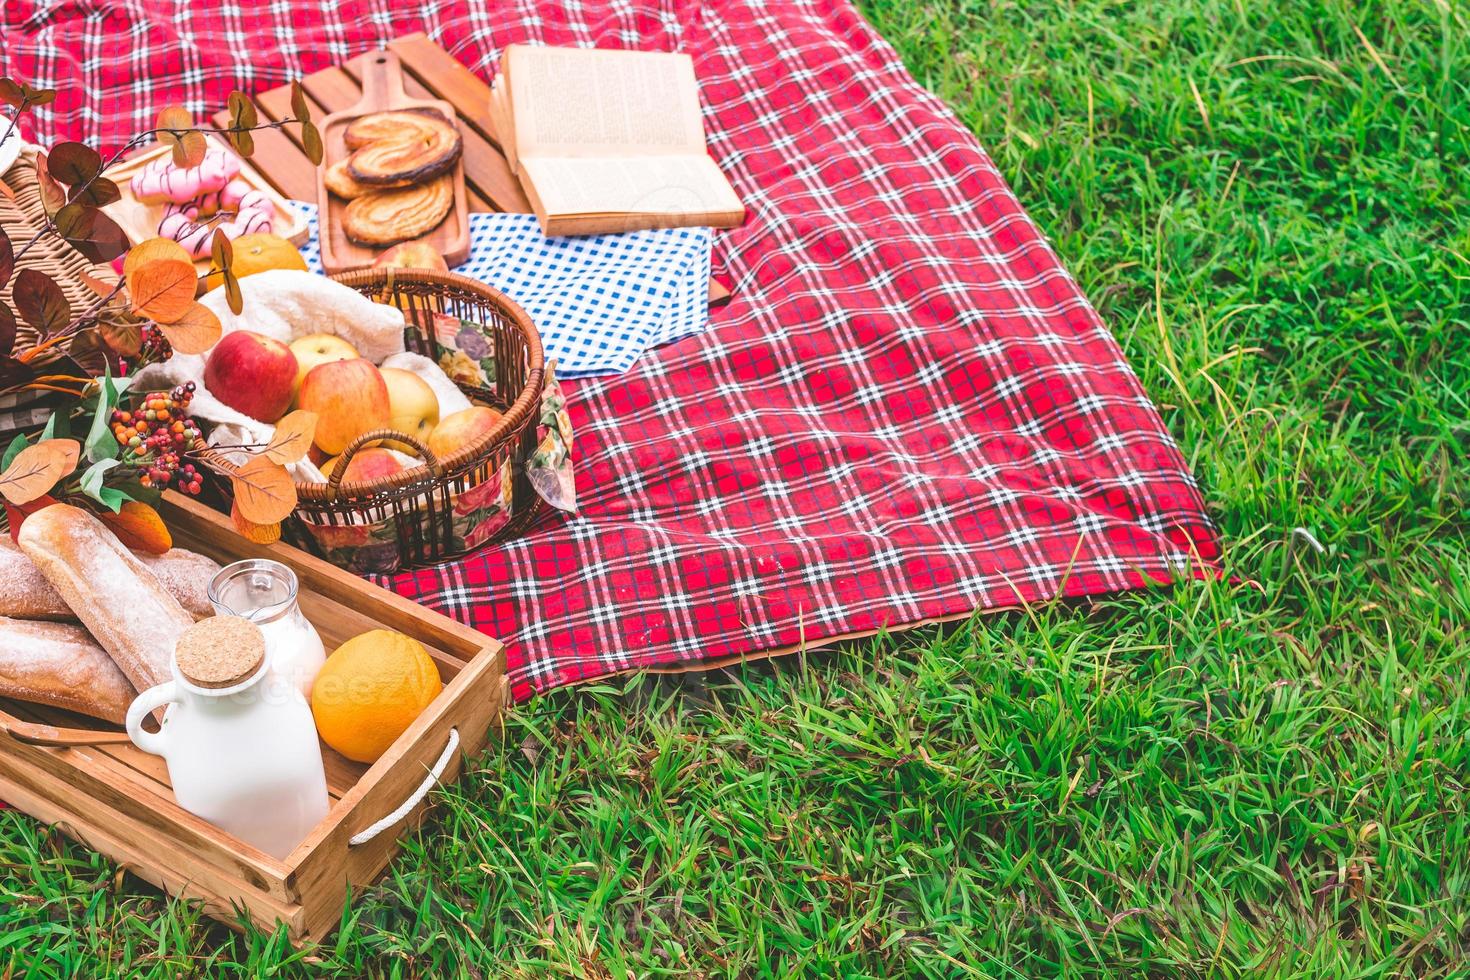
x=153 y=345
x=156 y=436
x=153 y=348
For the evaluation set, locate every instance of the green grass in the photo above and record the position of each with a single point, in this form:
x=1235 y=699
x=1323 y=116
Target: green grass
x=1273 y=213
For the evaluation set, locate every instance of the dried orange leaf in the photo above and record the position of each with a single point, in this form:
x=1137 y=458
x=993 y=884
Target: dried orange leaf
x=250 y=531
x=36 y=469
x=154 y=250
x=293 y=437
x=264 y=491
x=195 y=332
x=190 y=149
x=163 y=289
x=138 y=526
x=174 y=117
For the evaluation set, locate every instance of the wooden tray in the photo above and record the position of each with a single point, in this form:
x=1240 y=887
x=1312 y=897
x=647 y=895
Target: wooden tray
x=116 y=799
x=429 y=72
x=382 y=88
x=140 y=221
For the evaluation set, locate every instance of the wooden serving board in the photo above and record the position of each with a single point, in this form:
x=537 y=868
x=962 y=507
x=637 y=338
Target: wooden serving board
x=116 y=799
x=382 y=89
x=139 y=221
x=428 y=72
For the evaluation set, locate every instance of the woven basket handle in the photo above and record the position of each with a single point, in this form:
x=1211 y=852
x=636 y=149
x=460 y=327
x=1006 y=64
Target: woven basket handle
x=334 y=479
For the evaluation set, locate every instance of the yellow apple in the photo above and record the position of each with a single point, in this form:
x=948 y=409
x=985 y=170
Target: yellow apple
x=318 y=348
x=412 y=406
x=462 y=430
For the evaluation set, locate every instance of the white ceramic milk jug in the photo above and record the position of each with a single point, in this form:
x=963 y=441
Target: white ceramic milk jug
x=240 y=743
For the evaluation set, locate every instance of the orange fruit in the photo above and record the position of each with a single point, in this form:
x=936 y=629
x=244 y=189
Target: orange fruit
x=370 y=690
x=257 y=253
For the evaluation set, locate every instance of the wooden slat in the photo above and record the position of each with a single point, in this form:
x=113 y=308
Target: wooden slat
x=484 y=165
x=436 y=68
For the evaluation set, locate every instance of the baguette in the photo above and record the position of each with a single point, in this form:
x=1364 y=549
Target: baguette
x=116 y=596
x=25 y=593
x=60 y=665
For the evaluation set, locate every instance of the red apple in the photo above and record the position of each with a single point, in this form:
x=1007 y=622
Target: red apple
x=462 y=430
x=371 y=464
x=251 y=374
x=412 y=255
x=348 y=397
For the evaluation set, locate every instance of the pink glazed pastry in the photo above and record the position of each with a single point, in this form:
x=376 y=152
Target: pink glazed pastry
x=161 y=181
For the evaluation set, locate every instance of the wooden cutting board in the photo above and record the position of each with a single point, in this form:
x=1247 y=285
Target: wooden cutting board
x=382 y=89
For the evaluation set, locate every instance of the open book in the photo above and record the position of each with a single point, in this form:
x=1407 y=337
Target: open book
x=607 y=141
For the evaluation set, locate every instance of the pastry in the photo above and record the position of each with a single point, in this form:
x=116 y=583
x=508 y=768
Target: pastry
x=227 y=198
x=254 y=213
x=416 y=123
x=340 y=182
x=162 y=181
x=386 y=217
x=116 y=596
x=25 y=593
x=422 y=155
x=60 y=665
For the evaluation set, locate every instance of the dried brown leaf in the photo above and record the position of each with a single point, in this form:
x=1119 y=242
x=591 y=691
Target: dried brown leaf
x=264 y=491
x=36 y=469
x=163 y=289
x=293 y=437
x=195 y=331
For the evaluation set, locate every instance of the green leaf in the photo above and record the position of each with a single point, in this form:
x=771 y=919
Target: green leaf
x=58 y=426
x=13 y=450
x=110 y=497
x=100 y=443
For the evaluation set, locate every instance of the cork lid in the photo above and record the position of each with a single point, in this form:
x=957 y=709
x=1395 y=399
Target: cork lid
x=220 y=651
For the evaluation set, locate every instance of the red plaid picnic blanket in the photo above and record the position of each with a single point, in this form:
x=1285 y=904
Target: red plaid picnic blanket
x=909 y=411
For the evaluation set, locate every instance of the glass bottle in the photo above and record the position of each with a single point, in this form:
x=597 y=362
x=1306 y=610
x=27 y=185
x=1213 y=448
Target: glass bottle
x=265 y=593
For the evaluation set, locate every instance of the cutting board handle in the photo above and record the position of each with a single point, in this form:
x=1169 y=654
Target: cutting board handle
x=382 y=81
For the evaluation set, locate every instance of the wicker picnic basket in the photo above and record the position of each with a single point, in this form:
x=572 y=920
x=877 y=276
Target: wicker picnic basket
x=449 y=506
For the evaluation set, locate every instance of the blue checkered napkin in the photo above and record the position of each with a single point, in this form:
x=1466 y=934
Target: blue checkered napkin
x=598 y=301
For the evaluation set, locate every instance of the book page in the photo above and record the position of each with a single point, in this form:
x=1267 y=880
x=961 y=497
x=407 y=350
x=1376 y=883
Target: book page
x=584 y=102
x=689 y=184
x=504 y=123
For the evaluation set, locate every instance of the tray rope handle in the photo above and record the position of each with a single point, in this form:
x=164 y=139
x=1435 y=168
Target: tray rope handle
x=430 y=781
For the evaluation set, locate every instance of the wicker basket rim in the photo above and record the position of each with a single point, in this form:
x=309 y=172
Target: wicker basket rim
x=526 y=402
